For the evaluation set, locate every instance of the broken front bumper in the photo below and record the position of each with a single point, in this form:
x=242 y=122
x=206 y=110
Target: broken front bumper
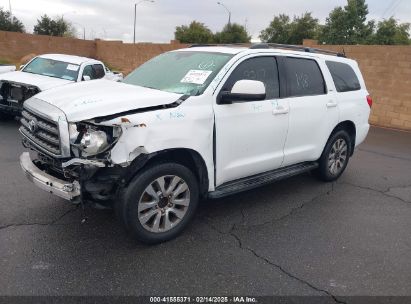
x=51 y=184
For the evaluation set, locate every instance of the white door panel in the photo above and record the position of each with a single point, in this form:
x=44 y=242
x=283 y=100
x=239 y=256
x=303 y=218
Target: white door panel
x=250 y=138
x=314 y=115
x=312 y=118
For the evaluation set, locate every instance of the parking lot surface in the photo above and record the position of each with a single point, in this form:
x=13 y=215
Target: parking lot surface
x=296 y=237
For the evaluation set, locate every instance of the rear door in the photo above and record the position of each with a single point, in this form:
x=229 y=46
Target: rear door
x=313 y=109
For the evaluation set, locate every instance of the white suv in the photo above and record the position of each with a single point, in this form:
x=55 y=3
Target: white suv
x=201 y=122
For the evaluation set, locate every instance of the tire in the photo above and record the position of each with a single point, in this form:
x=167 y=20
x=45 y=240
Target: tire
x=153 y=213
x=335 y=157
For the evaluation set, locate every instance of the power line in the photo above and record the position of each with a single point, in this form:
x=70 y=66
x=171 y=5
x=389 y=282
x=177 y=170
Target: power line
x=392 y=6
x=394 y=9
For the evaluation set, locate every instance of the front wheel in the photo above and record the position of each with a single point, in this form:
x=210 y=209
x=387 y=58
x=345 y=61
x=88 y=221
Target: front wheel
x=160 y=202
x=335 y=157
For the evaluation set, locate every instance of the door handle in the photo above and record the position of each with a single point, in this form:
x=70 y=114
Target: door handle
x=332 y=104
x=280 y=110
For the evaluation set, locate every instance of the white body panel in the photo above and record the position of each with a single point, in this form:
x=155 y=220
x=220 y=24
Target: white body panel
x=42 y=82
x=249 y=139
x=7 y=68
x=312 y=118
x=90 y=99
x=250 y=136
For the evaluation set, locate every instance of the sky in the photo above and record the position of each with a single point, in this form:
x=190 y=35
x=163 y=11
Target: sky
x=156 y=22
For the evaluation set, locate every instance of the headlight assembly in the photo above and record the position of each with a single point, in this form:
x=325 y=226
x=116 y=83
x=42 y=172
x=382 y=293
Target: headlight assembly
x=92 y=140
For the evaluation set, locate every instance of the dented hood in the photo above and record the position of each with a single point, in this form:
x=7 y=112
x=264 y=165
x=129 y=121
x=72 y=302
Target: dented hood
x=99 y=98
x=42 y=82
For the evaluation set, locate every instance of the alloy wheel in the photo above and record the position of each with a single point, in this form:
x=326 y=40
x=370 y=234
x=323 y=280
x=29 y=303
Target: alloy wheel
x=338 y=156
x=163 y=204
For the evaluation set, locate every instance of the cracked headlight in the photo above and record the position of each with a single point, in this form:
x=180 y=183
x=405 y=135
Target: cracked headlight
x=92 y=140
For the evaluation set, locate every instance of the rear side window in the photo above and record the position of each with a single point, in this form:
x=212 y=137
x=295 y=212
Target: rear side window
x=304 y=77
x=259 y=68
x=344 y=77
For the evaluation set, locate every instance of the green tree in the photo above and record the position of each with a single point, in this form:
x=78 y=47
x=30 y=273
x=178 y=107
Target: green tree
x=10 y=23
x=54 y=27
x=283 y=30
x=196 y=32
x=278 y=31
x=348 y=25
x=304 y=27
x=390 y=32
x=232 y=33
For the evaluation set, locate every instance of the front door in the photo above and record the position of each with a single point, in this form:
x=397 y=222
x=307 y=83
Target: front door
x=250 y=135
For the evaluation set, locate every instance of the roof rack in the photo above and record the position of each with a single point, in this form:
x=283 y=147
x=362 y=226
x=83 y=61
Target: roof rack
x=276 y=46
x=296 y=48
x=230 y=44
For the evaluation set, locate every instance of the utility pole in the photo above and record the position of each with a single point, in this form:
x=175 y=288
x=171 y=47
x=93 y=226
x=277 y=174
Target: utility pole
x=135 y=16
x=229 y=12
x=11 y=15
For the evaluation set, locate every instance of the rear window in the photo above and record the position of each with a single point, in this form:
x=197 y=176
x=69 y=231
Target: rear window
x=304 y=78
x=344 y=77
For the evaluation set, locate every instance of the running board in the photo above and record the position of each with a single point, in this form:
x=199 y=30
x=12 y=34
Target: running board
x=262 y=179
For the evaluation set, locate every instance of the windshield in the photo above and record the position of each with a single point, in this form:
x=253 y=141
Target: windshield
x=187 y=73
x=52 y=68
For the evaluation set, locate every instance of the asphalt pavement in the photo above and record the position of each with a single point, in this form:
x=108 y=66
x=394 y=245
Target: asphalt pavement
x=296 y=237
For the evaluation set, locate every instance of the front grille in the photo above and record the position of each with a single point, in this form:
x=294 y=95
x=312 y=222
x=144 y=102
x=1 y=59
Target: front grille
x=16 y=93
x=42 y=132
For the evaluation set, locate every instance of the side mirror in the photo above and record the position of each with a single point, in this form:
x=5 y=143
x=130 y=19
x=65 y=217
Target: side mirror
x=244 y=90
x=86 y=78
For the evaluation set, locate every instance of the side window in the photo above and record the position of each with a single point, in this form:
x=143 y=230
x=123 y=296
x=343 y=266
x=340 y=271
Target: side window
x=88 y=71
x=261 y=68
x=98 y=71
x=95 y=71
x=304 y=77
x=344 y=77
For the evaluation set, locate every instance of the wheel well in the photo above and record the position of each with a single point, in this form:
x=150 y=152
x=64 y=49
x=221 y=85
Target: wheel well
x=349 y=127
x=186 y=157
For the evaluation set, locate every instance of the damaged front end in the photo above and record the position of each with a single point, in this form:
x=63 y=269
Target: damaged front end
x=70 y=160
x=13 y=95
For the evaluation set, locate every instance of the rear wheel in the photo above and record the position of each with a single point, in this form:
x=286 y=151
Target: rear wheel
x=335 y=156
x=159 y=203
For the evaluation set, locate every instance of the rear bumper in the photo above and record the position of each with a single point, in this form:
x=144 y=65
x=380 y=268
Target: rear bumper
x=51 y=184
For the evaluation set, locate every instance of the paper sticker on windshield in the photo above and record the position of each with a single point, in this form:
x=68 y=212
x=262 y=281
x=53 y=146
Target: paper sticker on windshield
x=72 y=67
x=196 y=76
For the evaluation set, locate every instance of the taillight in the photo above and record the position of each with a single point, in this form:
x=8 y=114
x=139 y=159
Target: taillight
x=369 y=100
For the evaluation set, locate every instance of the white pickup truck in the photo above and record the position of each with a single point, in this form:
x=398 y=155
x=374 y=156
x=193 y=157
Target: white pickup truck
x=45 y=72
x=201 y=122
x=5 y=68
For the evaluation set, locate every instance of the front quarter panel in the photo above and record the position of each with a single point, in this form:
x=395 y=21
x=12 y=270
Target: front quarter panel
x=188 y=126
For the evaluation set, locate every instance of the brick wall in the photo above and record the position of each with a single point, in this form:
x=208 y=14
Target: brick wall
x=124 y=57
x=14 y=46
x=386 y=69
x=387 y=73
